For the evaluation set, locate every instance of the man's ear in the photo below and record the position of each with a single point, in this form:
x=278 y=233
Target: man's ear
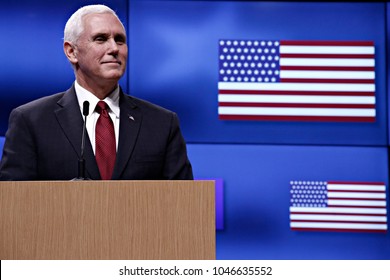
x=70 y=52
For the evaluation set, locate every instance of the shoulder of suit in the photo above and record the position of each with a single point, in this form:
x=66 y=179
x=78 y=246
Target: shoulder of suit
x=143 y=104
x=42 y=102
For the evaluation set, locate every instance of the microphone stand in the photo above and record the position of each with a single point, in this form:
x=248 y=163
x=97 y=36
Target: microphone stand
x=81 y=161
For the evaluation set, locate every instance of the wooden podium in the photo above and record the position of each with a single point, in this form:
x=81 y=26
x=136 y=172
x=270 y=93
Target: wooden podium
x=107 y=220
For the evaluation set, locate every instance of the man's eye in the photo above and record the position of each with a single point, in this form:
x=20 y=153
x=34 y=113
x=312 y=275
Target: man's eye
x=120 y=40
x=100 y=39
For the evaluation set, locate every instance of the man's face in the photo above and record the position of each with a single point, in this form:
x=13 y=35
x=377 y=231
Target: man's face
x=101 y=50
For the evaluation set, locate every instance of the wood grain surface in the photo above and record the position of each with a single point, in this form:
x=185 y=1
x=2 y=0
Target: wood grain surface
x=107 y=220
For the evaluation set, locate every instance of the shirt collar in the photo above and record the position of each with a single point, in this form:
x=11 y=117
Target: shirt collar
x=112 y=99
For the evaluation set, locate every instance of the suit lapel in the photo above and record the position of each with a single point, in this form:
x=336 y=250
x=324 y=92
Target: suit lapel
x=130 y=122
x=70 y=119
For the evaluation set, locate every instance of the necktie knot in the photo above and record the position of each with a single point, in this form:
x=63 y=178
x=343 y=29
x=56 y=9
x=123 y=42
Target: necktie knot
x=102 y=108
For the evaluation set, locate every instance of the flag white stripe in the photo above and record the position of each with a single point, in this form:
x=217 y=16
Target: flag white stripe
x=305 y=99
x=338 y=218
x=357 y=62
x=356 y=195
x=298 y=87
x=359 y=187
x=267 y=111
x=327 y=50
x=295 y=74
x=357 y=202
x=338 y=226
x=342 y=210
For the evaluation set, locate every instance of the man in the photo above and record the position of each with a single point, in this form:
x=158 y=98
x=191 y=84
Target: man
x=127 y=138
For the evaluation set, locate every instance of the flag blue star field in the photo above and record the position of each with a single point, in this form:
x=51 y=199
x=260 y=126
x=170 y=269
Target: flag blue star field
x=338 y=206
x=296 y=80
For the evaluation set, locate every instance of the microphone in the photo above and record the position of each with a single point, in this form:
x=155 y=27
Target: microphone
x=81 y=161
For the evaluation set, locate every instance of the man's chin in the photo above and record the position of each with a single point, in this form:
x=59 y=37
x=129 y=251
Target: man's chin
x=113 y=75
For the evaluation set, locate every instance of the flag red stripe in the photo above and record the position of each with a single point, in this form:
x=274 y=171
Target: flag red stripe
x=327 y=68
x=338 y=214
x=326 y=43
x=339 y=222
x=353 y=198
x=280 y=92
x=295 y=105
x=296 y=118
x=357 y=206
x=357 y=191
x=355 y=183
x=333 y=81
x=324 y=55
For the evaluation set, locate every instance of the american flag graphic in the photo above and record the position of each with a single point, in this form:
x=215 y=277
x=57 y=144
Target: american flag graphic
x=338 y=206
x=296 y=80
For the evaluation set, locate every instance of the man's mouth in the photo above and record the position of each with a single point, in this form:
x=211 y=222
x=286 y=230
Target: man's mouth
x=112 y=61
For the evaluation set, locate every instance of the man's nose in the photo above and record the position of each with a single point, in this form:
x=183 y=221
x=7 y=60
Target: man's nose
x=113 y=46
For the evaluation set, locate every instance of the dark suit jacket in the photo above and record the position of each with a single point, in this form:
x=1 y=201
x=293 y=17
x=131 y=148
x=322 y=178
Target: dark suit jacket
x=43 y=142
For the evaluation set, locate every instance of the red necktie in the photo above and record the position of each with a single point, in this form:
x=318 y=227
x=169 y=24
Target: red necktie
x=105 y=142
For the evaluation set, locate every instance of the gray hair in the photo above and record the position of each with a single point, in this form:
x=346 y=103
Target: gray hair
x=75 y=25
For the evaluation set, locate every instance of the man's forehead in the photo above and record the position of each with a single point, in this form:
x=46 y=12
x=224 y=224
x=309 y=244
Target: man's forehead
x=103 y=23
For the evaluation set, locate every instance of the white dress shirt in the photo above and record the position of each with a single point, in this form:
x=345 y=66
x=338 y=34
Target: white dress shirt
x=112 y=101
